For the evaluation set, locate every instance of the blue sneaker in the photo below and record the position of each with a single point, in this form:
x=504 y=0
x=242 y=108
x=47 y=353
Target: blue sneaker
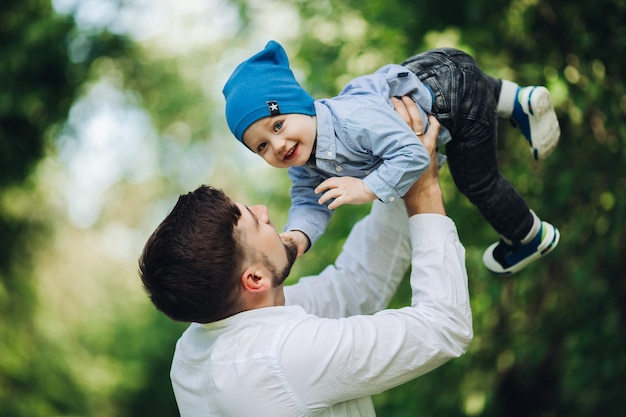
x=502 y=258
x=533 y=113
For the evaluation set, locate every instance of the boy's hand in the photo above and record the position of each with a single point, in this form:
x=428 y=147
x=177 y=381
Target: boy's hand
x=344 y=190
x=298 y=238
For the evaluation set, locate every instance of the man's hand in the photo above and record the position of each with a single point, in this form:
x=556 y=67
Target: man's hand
x=298 y=238
x=425 y=195
x=407 y=109
x=344 y=190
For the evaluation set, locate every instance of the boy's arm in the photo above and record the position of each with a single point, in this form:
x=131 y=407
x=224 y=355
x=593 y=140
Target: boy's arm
x=306 y=215
x=404 y=157
x=376 y=131
x=349 y=190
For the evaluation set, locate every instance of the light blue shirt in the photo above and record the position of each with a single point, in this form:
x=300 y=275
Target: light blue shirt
x=360 y=135
x=333 y=344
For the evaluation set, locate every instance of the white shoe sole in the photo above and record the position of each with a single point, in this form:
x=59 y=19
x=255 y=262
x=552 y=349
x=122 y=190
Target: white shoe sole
x=547 y=245
x=544 y=125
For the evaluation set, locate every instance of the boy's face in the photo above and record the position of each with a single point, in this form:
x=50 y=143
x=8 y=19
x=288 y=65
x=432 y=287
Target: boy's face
x=284 y=141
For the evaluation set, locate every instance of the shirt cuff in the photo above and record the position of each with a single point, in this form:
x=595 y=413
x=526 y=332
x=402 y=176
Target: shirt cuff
x=383 y=191
x=431 y=227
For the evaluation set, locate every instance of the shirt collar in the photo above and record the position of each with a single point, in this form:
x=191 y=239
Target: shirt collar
x=325 y=142
x=259 y=315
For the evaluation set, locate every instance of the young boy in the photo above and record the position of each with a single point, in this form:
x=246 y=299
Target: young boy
x=354 y=148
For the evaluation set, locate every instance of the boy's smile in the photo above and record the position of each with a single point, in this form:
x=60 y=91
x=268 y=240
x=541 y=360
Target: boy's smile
x=283 y=141
x=292 y=152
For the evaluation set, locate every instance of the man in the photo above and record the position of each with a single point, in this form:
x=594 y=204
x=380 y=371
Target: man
x=326 y=344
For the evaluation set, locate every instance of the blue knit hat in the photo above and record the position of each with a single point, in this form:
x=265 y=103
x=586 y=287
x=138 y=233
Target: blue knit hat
x=263 y=86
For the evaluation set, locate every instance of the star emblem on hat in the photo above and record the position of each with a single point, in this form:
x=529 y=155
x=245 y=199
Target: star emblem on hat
x=273 y=108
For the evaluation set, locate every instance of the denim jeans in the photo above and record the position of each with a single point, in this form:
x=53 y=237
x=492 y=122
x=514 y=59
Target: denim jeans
x=465 y=102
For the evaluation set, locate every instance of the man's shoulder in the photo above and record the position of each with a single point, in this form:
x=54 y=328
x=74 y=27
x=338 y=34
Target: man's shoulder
x=247 y=324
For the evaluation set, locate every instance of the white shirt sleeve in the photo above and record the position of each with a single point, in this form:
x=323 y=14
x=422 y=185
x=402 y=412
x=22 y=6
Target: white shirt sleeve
x=367 y=272
x=330 y=361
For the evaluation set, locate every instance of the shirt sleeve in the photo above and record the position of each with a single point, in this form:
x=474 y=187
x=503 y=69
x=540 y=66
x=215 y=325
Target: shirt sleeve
x=382 y=132
x=330 y=361
x=367 y=272
x=376 y=128
x=305 y=213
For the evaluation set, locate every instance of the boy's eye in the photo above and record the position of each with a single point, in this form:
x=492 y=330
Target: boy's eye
x=277 y=126
x=261 y=147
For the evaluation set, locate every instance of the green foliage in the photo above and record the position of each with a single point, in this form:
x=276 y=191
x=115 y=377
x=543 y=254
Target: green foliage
x=40 y=84
x=145 y=360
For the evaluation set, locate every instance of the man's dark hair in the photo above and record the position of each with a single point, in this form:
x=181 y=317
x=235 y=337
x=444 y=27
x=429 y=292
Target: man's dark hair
x=190 y=265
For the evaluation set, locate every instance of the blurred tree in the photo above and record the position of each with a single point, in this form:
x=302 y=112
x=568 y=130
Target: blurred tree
x=41 y=79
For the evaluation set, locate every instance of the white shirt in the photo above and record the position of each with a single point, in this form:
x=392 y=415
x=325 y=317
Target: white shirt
x=325 y=353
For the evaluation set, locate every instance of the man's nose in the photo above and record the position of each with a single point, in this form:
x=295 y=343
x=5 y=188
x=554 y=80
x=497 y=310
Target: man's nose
x=261 y=213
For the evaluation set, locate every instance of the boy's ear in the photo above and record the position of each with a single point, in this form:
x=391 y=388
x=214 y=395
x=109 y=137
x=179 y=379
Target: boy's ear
x=255 y=279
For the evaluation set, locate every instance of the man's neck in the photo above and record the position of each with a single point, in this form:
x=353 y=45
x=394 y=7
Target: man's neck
x=270 y=298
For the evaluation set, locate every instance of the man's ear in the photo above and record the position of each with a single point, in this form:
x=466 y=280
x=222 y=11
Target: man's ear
x=256 y=279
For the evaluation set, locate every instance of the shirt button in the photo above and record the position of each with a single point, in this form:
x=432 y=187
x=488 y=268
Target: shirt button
x=329 y=154
x=391 y=199
x=339 y=168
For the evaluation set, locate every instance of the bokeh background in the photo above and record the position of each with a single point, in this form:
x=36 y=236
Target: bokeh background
x=109 y=109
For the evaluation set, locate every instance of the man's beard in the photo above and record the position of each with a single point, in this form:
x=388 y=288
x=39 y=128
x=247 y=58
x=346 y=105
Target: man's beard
x=279 y=278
